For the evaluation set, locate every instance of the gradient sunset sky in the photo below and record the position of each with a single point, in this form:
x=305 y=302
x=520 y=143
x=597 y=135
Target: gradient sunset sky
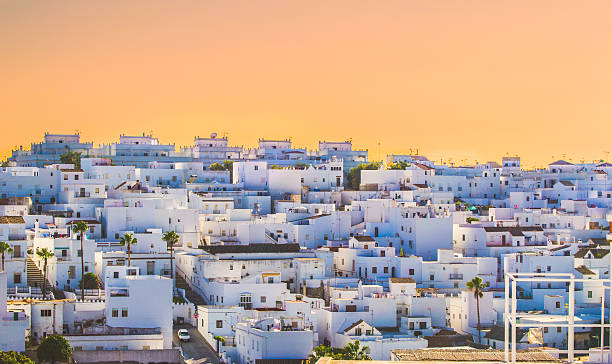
x=462 y=79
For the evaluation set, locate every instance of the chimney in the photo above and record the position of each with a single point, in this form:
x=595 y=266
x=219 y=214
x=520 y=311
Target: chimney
x=36 y=229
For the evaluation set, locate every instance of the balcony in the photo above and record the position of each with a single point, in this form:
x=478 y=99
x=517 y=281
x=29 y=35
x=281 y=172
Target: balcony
x=458 y=276
x=16 y=237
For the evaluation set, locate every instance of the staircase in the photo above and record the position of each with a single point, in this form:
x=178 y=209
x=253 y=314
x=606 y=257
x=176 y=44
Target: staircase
x=35 y=276
x=189 y=293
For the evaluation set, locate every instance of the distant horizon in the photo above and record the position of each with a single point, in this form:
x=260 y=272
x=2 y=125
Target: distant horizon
x=371 y=157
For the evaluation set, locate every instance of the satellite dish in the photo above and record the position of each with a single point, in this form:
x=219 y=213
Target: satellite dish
x=213 y=135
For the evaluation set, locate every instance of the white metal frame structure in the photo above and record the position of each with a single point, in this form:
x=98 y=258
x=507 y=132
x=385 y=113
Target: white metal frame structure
x=512 y=317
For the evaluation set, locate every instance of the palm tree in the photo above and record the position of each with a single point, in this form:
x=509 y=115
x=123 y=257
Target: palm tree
x=80 y=227
x=171 y=238
x=477 y=287
x=4 y=249
x=129 y=240
x=353 y=351
x=45 y=255
x=220 y=340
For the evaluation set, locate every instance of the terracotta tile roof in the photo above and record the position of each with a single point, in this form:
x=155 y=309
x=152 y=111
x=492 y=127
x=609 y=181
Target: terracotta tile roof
x=581 y=253
x=600 y=241
x=584 y=270
x=559 y=248
x=15 y=201
x=513 y=230
x=12 y=220
x=467 y=355
x=423 y=167
x=498 y=333
x=401 y=280
x=363 y=238
x=71 y=170
x=353 y=325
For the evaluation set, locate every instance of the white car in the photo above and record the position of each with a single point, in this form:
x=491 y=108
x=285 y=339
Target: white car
x=183 y=335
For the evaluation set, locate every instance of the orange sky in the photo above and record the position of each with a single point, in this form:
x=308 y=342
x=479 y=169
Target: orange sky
x=461 y=79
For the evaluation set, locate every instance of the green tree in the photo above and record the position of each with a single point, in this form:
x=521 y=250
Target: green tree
x=4 y=163
x=71 y=157
x=5 y=249
x=351 y=351
x=354 y=175
x=216 y=167
x=81 y=227
x=171 y=238
x=398 y=165
x=477 y=287
x=13 y=357
x=92 y=281
x=45 y=255
x=322 y=351
x=54 y=348
x=354 y=351
x=225 y=166
x=128 y=240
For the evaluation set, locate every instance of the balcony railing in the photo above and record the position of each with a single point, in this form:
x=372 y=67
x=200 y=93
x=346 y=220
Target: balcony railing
x=455 y=276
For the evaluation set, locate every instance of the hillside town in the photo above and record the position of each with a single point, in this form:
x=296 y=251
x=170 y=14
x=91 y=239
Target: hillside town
x=142 y=250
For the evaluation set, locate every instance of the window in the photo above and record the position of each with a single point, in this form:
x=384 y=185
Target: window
x=17 y=278
x=262 y=299
x=386 y=269
x=374 y=270
x=431 y=277
x=245 y=300
x=590 y=294
x=124 y=312
x=411 y=271
x=558 y=329
x=558 y=304
x=219 y=324
x=45 y=313
x=115 y=274
x=115 y=312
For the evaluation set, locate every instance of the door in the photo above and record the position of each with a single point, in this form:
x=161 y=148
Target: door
x=337 y=181
x=376 y=231
x=150 y=268
x=392 y=272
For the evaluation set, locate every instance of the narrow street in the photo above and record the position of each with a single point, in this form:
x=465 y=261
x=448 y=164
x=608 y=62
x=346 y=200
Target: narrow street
x=197 y=350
